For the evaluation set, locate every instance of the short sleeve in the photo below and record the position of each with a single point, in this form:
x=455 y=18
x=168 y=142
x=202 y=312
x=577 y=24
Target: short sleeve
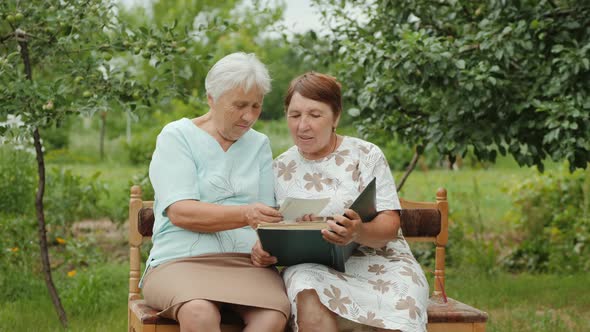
x=173 y=172
x=266 y=186
x=376 y=165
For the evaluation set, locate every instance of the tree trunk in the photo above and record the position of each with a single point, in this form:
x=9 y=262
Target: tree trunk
x=103 y=125
x=21 y=37
x=128 y=128
x=409 y=170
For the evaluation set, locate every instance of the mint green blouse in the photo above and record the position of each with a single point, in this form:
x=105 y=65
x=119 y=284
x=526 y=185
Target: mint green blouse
x=188 y=163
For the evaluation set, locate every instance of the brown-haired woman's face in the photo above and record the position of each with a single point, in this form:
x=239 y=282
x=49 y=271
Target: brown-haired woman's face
x=310 y=123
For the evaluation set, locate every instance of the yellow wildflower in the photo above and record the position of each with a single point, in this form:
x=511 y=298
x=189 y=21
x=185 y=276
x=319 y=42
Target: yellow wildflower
x=60 y=240
x=71 y=273
x=15 y=249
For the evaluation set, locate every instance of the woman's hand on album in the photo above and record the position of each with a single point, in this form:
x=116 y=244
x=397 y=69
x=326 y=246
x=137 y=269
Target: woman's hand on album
x=257 y=213
x=307 y=217
x=343 y=229
x=260 y=257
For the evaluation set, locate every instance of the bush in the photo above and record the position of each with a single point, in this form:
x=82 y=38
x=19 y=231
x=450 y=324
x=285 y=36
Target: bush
x=469 y=248
x=56 y=137
x=142 y=146
x=553 y=213
x=18 y=244
x=71 y=197
x=17 y=180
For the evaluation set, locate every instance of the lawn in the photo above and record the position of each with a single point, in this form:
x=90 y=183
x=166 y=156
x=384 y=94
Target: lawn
x=96 y=301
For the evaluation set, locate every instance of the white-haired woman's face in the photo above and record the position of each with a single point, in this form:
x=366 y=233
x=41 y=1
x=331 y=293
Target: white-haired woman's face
x=236 y=111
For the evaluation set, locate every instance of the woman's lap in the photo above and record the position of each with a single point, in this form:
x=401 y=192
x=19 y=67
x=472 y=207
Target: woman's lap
x=383 y=288
x=224 y=279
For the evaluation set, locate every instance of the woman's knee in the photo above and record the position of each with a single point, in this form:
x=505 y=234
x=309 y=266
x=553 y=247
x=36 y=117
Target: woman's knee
x=312 y=315
x=198 y=313
x=275 y=320
x=258 y=319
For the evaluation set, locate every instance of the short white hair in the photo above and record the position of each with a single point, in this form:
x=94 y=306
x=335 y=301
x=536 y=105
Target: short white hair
x=237 y=70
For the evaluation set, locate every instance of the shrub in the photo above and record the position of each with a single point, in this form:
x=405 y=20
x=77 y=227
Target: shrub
x=56 y=137
x=18 y=241
x=17 y=180
x=552 y=212
x=469 y=248
x=70 y=197
x=142 y=146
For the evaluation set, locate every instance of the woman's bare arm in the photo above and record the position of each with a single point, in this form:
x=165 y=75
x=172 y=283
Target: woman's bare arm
x=208 y=217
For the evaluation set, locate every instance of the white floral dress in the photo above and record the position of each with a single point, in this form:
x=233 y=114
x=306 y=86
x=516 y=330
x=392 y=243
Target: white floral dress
x=382 y=288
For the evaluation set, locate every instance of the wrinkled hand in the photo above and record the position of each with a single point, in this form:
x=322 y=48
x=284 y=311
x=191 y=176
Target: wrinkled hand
x=343 y=229
x=257 y=213
x=260 y=257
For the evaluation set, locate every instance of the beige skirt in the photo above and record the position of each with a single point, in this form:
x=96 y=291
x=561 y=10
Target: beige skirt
x=226 y=278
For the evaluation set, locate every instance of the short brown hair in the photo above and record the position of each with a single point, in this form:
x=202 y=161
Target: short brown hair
x=319 y=87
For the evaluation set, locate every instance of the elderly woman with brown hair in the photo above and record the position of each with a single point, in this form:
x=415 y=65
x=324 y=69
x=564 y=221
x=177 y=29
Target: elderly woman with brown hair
x=383 y=287
x=213 y=184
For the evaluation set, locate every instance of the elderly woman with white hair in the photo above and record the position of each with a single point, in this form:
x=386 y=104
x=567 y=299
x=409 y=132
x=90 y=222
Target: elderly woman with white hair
x=213 y=182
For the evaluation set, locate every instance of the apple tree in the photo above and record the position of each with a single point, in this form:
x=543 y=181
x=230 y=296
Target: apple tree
x=494 y=76
x=63 y=58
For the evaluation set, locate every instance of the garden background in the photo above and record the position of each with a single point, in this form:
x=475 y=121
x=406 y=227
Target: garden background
x=481 y=95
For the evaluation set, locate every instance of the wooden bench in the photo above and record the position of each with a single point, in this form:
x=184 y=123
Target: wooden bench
x=420 y=222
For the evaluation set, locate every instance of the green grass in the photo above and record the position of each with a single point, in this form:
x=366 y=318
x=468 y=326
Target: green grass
x=95 y=299
x=525 y=302
x=471 y=193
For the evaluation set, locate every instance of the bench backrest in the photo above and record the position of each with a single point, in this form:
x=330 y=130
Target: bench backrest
x=420 y=222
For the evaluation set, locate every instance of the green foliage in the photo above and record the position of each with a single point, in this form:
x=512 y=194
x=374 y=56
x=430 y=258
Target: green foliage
x=80 y=57
x=18 y=252
x=96 y=299
x=71 y=197
x=17 y=180
x=56 y=136
x=217 y=29
x=502 y=77
x=89 y=291
x=142 y=146
x=469 y=247
x=553 y=213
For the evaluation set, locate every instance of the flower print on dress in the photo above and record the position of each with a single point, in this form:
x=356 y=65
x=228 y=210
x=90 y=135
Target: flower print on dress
x=371 y=320
x=340 y=275
x=377 y=269
x=411 y=273
x=409 y=303
x=286 y=171
x=339 y=156
x=336 y=302
x=385 y=252
x=404 y=257
x=364 y=148
x=354 y=168
x=315 y=181
x=381 y=285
